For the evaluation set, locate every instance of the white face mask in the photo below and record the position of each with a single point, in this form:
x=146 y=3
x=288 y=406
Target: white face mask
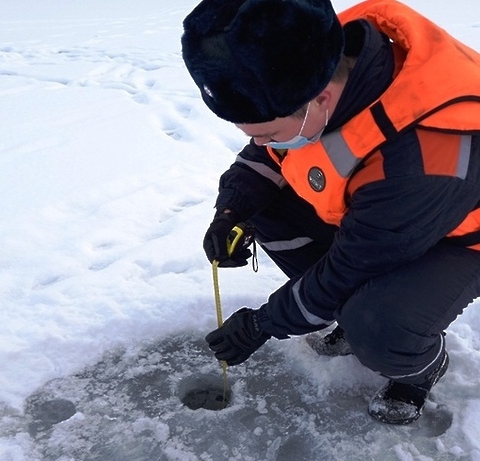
x=299 y=141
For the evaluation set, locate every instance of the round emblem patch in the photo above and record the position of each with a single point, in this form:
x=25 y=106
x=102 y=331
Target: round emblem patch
x=316 y=179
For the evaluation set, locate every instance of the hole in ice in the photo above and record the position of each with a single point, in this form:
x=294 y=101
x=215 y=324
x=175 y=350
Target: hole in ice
x=48 y=413
x=205 y=391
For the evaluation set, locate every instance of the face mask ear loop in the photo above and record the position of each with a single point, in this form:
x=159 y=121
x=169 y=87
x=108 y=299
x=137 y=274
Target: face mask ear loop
x=304 y=120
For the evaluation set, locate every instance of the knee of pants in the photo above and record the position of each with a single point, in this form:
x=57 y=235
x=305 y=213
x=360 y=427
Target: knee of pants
x=386 y=344
x=368 y=336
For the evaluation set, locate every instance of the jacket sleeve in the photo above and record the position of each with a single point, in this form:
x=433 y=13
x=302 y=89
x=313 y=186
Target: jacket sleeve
x=251 y=183
x=390 y=222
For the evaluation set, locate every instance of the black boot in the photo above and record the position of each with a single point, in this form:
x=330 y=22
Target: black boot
x=332 y=345
x=398 y=403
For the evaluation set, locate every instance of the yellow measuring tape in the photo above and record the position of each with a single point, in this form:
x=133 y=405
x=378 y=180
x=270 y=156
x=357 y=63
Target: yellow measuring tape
x=232 y=241
x=218 y=307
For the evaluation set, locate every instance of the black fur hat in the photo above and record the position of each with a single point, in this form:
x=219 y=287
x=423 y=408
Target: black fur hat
x=255 y=60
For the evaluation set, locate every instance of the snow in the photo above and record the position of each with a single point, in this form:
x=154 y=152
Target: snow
x=109 y=164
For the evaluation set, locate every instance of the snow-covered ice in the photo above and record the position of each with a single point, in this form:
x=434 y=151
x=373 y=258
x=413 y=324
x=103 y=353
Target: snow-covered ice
x=109 y=164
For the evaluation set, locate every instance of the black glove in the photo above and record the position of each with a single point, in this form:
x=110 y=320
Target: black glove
x=238 y=338
x=215 y=242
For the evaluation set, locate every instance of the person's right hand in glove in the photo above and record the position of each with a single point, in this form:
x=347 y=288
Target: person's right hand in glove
x=238 y=338
x=215 y=241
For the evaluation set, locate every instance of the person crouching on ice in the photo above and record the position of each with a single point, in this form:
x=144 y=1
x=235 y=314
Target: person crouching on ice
x=361 y=179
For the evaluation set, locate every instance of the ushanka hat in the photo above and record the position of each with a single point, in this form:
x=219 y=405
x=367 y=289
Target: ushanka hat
x=255 y=60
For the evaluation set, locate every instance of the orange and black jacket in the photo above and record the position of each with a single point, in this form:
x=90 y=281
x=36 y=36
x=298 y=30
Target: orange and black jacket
x=398 y=169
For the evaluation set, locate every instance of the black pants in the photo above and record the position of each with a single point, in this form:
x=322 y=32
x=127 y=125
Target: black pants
x=395 y=322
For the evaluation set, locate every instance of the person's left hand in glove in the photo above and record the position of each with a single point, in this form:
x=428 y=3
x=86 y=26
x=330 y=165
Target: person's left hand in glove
x=238 y=338
x=215 y=241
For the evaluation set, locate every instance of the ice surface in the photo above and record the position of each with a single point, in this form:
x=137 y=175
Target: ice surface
x=128 y=406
